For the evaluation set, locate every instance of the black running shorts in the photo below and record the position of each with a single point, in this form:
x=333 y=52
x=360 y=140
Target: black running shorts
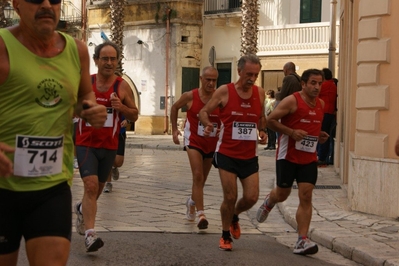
x=121 y=144
x=242 y=168
x=34 y=214
x=95 y=161
x=203 y=154
x=287 y=172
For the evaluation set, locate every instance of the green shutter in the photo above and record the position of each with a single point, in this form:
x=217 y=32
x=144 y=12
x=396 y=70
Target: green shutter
x=190 y=80
x=310 y=11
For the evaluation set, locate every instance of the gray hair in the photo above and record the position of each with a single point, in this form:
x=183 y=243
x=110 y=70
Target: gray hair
x=99 y=47
x=248 y=58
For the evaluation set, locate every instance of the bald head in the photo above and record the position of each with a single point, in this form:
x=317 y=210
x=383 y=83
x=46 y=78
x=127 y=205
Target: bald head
x=209 y=78
x=289 y=68
x=208 y=69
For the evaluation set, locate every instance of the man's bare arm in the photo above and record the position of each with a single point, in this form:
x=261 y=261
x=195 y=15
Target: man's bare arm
x=262 y=124
x=125 y=103
x=184 y=100
x=286 y=106
x=218 y=99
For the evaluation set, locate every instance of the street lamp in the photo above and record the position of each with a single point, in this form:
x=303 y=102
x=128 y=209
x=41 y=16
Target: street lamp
x=8 y=14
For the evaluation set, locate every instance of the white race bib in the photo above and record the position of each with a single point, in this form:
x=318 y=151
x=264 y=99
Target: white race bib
x=244 y=131
x=307 y=144
x=110 y=118
x=38 y=156
x=201 y=129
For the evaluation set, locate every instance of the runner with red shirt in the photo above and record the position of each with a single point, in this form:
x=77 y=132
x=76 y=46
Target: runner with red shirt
x=199 y=149
x=301 y=116
x=96 y=148
x=242 y=114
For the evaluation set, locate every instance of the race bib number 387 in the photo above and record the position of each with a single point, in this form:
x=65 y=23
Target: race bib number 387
x=244 y=131
x=38 y=156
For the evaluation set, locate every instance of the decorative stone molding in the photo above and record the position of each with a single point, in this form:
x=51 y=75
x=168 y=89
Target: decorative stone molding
x=371 y=145
x=372 y=97
x=369 y=8
x=374 y=51
x=368 y=74
x=367 y=121
x=370 y=28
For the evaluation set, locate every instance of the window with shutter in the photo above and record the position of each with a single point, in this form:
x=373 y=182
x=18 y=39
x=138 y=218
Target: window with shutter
x=310 y=11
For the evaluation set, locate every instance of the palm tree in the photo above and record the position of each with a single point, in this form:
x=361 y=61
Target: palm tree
x=117 y=24
x=249 y=26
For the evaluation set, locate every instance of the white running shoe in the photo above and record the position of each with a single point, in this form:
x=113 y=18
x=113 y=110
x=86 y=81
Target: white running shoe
x=305 y=247
x=93 y=243
x=80 y=223
x=115 y=173
x=263 y=211
x=107 y=187
x=75 y=163
x=190 y=216
x=202 y=221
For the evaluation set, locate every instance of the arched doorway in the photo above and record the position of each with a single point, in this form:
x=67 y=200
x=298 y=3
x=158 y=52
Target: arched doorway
x=136 y=96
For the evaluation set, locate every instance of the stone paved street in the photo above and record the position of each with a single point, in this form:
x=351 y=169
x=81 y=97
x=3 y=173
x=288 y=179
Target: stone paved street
x=155 y=182
x=151 y=193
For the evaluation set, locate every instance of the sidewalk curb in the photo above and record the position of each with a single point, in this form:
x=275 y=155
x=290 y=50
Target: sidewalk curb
x=152 y=146
x=357 y=248
x=359 y=243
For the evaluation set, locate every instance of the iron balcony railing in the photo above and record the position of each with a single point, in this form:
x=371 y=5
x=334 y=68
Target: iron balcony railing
x=221 y=6
x=71 y=16
x=307 y=38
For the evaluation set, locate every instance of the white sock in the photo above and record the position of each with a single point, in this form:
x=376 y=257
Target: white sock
x=89 y=231
x=191 y=202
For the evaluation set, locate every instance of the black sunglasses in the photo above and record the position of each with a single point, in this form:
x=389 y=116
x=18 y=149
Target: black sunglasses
x=37 y=2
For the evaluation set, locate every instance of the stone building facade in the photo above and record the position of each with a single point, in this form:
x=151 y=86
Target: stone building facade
x=368 y=109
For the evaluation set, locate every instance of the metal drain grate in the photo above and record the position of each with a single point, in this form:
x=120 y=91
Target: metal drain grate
x=321 y=187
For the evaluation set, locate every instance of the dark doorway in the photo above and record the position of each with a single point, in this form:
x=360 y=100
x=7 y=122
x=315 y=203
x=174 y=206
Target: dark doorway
x=190 y=80
x=272 y=79
x=224 y=73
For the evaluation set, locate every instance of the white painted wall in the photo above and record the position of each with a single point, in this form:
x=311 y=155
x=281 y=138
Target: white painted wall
x=226 y=41
x=144 y=64
x=283 y=12
x=272 y=13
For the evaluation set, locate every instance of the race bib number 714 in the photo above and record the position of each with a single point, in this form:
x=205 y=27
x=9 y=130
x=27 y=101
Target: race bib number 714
x=38 y=156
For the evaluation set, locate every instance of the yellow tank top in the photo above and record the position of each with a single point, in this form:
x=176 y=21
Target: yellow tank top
x=37 y=102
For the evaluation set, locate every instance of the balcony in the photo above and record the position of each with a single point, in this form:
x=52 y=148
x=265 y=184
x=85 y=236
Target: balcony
x=221 y=6
x=71 y=17
x=309 y=38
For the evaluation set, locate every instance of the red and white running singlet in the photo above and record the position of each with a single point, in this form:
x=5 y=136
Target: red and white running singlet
x=239 y=130
x=107 y=136
x=194 y=130
x=305 y=118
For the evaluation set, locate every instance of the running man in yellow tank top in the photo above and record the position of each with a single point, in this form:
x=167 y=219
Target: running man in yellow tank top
x=44 y=80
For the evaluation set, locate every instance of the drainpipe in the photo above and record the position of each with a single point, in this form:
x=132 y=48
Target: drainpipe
x=332 y=44
x=84 y=21
x=166 y=122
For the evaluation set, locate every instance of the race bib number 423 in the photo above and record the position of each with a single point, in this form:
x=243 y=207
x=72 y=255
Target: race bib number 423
x=38 y=156
x=307 y=144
